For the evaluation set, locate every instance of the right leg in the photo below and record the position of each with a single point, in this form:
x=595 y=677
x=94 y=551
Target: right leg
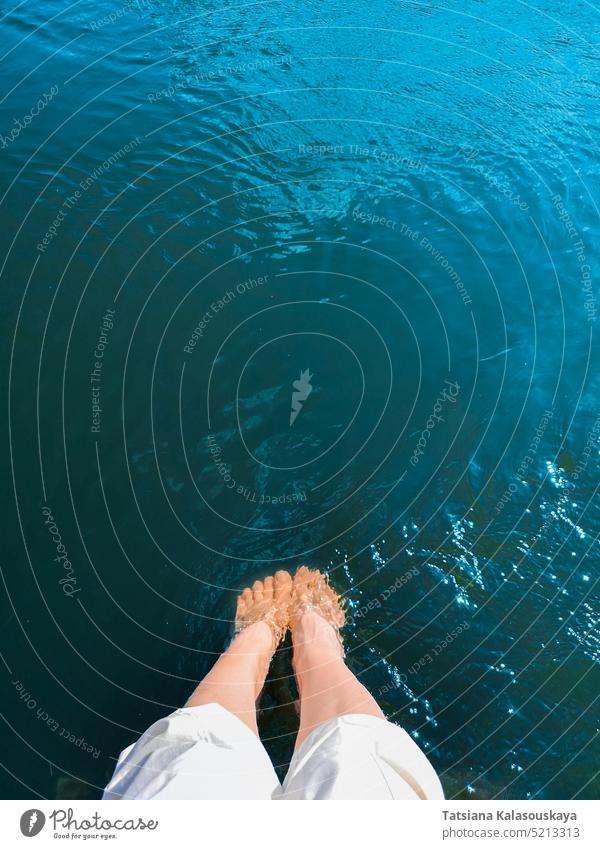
x=327 y=687
x=353 y=751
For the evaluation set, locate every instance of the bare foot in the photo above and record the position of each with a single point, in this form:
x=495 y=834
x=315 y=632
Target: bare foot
x=266 y=602
x=316 y=613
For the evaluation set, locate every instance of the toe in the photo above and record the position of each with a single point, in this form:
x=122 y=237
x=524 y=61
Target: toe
x=283 y=577
x=282 y=583
x=241 y=607
x=247 y=597
x=319 y=580
x=257 y=591
x=268 y=588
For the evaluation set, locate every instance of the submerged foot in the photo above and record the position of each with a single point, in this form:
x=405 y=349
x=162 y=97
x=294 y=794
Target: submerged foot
x=267 y=601
x=316 y=613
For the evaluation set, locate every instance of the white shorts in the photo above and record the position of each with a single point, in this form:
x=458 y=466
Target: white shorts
x=206 y=752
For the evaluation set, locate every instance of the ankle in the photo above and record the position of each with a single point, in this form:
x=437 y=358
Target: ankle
x=255 y=645
x=315 y=642
x=254 y=639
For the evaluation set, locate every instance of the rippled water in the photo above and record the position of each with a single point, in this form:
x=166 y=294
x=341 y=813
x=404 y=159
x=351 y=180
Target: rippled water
x=202 y=202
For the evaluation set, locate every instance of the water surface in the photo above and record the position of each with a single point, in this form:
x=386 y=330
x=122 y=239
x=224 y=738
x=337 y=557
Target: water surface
x=400 y=198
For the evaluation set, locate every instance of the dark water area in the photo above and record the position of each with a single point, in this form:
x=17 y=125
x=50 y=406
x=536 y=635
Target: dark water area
x=201 y=202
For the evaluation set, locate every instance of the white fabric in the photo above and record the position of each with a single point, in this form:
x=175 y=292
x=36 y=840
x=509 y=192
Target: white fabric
x=360 y=757
x=208 y=753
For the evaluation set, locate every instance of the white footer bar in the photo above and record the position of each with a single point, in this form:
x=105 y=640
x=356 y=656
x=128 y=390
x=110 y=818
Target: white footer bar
x=302 y=825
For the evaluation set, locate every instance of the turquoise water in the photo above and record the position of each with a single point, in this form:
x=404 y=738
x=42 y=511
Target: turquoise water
x=199 y=204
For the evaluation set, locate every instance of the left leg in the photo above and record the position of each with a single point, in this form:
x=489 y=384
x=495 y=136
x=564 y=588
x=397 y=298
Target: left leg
x=236 y=679
x=202 y=751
